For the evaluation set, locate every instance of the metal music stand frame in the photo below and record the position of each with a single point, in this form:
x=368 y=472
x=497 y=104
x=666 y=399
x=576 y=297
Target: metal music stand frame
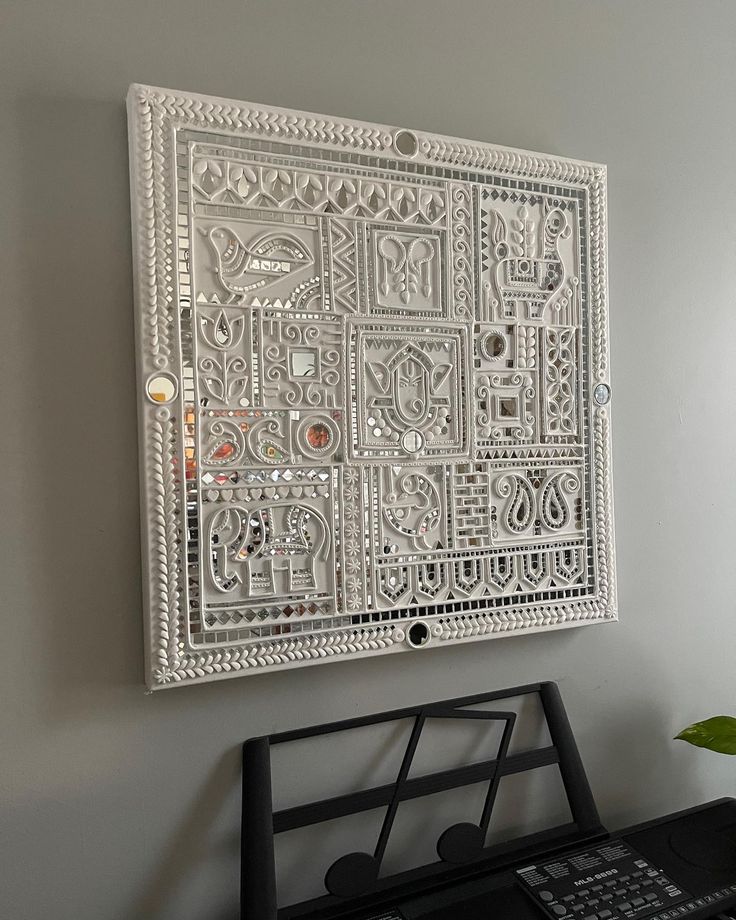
x=260 y=822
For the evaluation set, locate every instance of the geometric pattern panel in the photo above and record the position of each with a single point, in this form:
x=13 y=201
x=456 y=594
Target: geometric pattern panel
x=373 y=388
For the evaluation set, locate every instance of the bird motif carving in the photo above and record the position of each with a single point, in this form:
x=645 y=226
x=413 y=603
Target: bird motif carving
x=244 y=268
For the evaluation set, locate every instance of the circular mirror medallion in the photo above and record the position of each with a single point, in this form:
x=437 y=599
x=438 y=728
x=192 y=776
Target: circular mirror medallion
x=602 y=394
x=161 y=388
x=412 y=441
x=418 y=634
x=492 y=345
x=406 y=143
x=318 y=436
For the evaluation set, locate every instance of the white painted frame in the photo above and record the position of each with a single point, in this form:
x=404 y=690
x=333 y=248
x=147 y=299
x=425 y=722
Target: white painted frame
x=165 y=129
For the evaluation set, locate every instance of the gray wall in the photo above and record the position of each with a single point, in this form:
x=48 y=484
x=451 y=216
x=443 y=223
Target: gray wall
x=118 y=805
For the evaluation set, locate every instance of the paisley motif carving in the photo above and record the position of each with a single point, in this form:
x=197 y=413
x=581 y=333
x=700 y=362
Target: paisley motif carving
x=542 y=501
x=225 y=445
x=521 y=506
x=554 y=507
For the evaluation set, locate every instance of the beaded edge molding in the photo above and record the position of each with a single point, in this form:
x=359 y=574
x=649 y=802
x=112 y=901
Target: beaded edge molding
x=154 y=116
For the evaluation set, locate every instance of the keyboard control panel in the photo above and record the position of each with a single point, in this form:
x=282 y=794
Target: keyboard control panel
x=607 y=882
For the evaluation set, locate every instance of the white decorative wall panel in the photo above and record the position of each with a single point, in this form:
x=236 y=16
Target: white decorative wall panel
x=373 y=388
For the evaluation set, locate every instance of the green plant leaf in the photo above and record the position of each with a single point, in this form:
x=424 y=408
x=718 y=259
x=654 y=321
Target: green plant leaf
x=717 y=734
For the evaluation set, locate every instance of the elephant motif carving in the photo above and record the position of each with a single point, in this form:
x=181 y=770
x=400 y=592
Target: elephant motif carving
x=270 y=550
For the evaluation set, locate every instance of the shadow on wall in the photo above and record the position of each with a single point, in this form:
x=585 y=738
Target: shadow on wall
x=197 y=841
x=633 y=745
x=80 y=384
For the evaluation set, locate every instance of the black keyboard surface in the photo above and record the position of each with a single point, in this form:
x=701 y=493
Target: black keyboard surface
x=682 y=867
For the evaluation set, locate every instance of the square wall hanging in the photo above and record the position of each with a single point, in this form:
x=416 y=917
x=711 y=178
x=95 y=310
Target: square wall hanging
x=374 y=388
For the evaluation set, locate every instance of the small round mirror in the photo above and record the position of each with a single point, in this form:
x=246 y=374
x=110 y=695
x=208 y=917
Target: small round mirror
x=602 y=394
x=417 y=634
x=406 y=143
x=492 y=345
x=161 y=388
x=412 y=441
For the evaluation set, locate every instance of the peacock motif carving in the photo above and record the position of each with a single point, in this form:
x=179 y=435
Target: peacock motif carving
x=529 y=269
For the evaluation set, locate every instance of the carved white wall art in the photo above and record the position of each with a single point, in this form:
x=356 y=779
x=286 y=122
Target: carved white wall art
x=373 y=388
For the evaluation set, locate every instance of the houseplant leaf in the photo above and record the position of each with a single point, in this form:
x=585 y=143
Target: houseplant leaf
x=716 y=734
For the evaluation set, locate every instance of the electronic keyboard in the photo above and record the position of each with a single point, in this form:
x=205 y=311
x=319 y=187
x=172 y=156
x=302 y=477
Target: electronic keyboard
x=679 y=866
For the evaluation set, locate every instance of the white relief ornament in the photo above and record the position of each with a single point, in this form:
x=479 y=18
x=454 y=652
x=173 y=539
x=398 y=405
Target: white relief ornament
x=521 y=505
x=405 y=267
x=220 y=331
x=280 y=437
x=302 y=363
x=270 y=258
x=538 y=505
x=409 y=385
x=225 y=444
x=554 y=509
x=560 y=382
x=412 y=508
x=373 y=366
x=408 y=398
x=529 y=271
x=505 y=406
x=462 y=251
x=236 y=184
x=223 y=379
x=268 y=551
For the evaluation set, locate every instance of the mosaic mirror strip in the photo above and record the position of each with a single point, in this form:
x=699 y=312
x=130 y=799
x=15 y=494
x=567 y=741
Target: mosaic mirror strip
x=374 y=390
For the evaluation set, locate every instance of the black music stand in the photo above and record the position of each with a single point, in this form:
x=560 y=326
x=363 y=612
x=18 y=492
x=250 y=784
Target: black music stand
x=352 y=882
